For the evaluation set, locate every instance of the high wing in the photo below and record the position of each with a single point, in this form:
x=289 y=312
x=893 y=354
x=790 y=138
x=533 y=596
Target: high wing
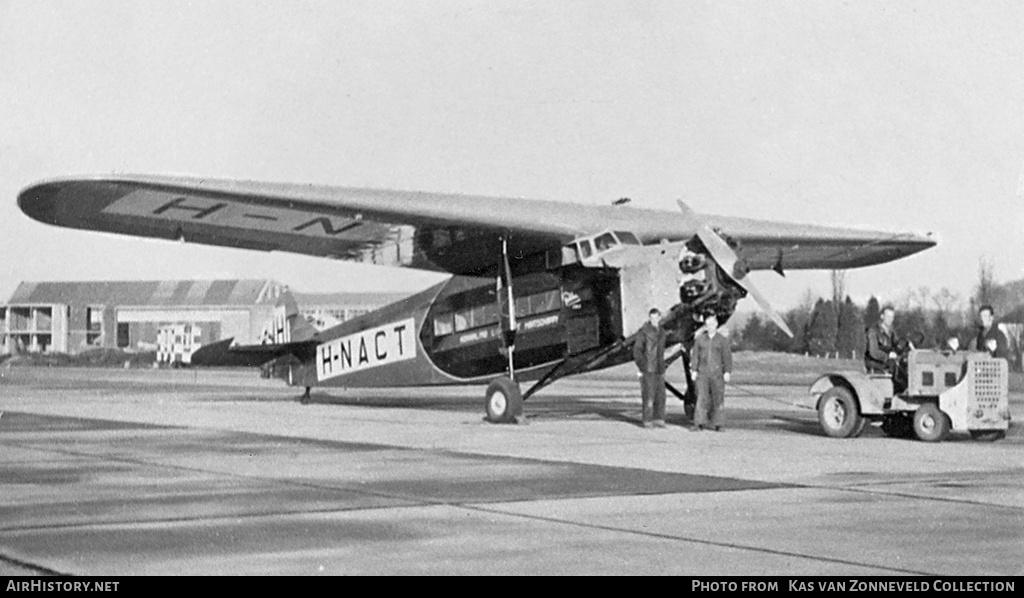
x=460 y=234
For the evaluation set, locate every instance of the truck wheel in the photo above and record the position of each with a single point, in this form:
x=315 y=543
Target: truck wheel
x=503 y=401
x=930 y=423
x=987 y=435
x=839 y=414
x=897 y=426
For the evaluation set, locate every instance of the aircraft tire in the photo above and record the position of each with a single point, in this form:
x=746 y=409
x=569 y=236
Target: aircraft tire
x=503 y=401
x=930 y=423
x=839 y=414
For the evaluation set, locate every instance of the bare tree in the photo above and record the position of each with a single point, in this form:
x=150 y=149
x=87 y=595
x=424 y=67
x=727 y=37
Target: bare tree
x=948 y=307
x=984 y=293
x=945 y=300
x=838 y=286
x=921 y=296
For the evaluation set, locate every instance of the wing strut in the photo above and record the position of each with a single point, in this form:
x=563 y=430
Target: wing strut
x=508 y=318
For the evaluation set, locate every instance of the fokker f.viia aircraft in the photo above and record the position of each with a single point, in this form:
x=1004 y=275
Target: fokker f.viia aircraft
x=540 y=289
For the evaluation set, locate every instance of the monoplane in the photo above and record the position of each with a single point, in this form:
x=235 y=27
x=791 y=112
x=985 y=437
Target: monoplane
x=540 y=290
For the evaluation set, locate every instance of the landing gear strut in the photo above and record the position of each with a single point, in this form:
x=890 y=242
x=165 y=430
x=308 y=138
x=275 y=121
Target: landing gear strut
x=504 y=400
x=305 y=398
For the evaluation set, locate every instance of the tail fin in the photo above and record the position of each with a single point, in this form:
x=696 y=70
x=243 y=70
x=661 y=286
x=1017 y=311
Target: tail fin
x=288 y=324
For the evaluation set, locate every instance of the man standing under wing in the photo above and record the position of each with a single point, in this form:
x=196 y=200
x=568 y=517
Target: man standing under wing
x=712 y=363
x=649 y=355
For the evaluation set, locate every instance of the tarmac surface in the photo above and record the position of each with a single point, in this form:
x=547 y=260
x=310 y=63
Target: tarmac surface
x=111 y=472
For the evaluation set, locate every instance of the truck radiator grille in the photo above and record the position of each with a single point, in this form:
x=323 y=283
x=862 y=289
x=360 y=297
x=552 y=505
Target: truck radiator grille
x=989 y=380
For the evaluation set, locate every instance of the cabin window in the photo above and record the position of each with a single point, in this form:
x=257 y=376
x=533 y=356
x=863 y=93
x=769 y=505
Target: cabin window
x=463 y=320
x=538 y=303
x=484 y=315
x=586 y=250
x=544 y=302
x=522 y=307
x=627 y=238
x=443 y=325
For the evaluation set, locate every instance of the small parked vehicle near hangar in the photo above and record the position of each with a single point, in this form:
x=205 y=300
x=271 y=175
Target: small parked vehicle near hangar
x=959 y=391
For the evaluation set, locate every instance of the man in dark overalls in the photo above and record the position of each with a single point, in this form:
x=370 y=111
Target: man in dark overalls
x=712 y=364
x=649 y=355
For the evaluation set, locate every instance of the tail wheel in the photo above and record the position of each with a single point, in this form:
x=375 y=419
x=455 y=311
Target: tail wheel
x=839 y=414
x=503 y=401
x=930 y=423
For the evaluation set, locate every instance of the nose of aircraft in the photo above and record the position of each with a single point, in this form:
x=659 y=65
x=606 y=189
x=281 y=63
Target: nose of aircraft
x=730 y=262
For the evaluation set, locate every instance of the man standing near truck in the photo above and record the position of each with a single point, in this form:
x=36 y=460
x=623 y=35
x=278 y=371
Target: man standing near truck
x=990 y=338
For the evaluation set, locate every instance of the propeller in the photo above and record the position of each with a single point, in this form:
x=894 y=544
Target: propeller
x=731 y=263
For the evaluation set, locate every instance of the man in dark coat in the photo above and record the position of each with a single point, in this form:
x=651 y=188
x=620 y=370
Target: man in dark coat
x=649 y=355
x=712 y=367
x=880 y=354
x=990 y=338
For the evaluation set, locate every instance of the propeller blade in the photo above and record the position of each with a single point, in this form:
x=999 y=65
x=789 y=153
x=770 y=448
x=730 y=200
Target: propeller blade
x=731 y=263
x=763 y=302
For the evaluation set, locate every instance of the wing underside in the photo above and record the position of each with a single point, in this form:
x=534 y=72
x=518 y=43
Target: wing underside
x=460 y=234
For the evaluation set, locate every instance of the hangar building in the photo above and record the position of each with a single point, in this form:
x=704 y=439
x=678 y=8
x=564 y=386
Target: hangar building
x=172 y=317
x=70 y=317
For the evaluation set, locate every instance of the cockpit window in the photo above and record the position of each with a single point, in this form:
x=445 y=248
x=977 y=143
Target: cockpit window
x=585 y=249
x=627 y=238
x=605 y=242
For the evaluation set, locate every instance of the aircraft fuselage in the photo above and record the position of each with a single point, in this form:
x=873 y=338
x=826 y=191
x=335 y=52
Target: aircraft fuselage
x=451 y=333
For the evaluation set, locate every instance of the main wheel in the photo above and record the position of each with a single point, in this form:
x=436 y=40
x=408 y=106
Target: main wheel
x=930 y=423
x=839 y=414
x=503 y=401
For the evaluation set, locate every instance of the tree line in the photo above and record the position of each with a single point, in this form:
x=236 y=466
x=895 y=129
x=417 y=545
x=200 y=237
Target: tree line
x=826 y=328
x=837 y=327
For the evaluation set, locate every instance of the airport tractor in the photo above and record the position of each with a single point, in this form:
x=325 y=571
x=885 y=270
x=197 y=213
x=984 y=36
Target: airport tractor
x=944 y=391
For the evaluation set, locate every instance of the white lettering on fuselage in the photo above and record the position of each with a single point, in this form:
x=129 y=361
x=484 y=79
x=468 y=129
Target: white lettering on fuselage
x=371 y=348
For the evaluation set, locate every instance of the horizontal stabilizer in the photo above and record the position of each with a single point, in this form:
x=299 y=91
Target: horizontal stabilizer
x=221 y=353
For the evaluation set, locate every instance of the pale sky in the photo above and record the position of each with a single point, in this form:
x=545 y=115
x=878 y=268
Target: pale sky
x=902 y=116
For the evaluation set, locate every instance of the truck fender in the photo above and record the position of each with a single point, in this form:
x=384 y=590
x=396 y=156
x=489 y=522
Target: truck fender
x=869 y=391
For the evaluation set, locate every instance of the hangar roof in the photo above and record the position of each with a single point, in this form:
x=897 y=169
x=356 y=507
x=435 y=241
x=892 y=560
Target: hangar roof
x=370 y=300
x=151 y=292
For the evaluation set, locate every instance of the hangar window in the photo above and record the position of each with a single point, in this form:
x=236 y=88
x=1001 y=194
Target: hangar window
x=122 y=334
x=94 y=319
x=44 y=318
x=20 y=317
